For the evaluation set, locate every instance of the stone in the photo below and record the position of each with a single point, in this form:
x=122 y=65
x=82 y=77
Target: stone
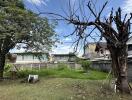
x=33 y=78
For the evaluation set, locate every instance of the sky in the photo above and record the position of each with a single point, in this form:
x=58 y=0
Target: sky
x=63 y=28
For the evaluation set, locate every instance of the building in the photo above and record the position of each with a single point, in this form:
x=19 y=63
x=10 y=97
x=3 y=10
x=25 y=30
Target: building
x=129 y=43
x=100 y=50
x=32 y=57
x=89 y=52
x=71 y=57
x=96 y=50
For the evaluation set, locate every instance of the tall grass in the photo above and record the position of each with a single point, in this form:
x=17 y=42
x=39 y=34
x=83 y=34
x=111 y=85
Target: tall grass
x=65 y=73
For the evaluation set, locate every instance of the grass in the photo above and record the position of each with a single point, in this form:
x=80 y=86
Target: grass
x=60 y=84
x=57 y=89
x=65 y=73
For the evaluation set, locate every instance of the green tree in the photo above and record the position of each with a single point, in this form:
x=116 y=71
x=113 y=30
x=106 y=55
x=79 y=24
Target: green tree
x=24 y=29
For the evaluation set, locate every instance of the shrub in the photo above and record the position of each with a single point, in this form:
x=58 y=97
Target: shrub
x=85 y=65
x=7 y=67
x=23 y=74
x=62 y=66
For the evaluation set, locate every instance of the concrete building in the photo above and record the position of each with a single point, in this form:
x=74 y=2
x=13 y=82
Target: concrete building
x=95 y=51
x=32 y=57
x=129 y=43
x=71 y=57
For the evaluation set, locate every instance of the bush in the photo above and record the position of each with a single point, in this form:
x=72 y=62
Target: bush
x=23 y=74
x=42 y=72
x=62 y=66
x=85 y=65
x=7 y=67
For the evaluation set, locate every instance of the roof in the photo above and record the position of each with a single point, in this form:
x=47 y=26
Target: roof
x=21 y=53
x=129 y=41
x=101 y=46
x=95 y=43
x=70 y=54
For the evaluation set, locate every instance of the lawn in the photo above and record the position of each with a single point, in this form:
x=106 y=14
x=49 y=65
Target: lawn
x=57 y=89
x=65 y=73
x=59 y=84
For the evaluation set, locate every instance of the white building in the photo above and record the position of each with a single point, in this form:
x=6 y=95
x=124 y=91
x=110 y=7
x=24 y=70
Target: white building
x=71 y=57
x=32 y=57
x=129 y=43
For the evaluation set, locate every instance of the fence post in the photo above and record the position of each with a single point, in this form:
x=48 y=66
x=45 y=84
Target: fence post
x=22 y=67
x=31 y=67
x=39 y=66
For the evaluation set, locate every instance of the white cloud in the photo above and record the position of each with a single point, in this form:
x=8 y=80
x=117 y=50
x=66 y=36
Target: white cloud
x=67 y=39
x=17 y=51
x=62 y=49
x=38 y=2
x=65 y=49
x=127 y=6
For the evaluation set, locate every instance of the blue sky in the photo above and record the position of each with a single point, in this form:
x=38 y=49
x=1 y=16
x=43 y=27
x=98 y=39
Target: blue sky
x=57 y=6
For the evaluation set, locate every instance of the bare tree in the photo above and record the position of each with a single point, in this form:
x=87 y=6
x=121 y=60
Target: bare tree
x=115 y=29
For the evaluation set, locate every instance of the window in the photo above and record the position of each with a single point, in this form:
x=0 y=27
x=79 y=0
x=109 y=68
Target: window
x=129 y=47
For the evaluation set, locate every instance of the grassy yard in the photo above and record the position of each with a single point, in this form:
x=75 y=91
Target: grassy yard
x=59 y=84
x=57 y=89
x=65 y=73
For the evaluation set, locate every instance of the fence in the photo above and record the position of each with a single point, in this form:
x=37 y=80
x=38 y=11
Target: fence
x=39 y=66
x=105 y=65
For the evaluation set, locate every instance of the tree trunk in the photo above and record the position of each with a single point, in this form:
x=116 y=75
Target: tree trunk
x=119 y=66
x=2 y=63
x=122 y=78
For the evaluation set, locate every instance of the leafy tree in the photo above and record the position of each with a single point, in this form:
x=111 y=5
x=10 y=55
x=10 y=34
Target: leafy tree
x=24 y=29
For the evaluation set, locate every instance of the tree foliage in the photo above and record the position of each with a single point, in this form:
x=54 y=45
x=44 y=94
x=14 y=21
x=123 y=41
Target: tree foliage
x=18 y=25
x=24 y=29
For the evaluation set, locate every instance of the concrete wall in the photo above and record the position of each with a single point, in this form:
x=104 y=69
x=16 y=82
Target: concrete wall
x=71 y=65
x=63 y=58
x=106 y=67
x=30 y=58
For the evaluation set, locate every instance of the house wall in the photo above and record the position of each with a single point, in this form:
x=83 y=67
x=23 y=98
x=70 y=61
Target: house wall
x=90 y=52
x=63 y=58
x=129 y=52
x=30 y=58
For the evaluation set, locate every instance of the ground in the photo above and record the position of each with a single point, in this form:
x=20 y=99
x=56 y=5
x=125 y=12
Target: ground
x=57 y=89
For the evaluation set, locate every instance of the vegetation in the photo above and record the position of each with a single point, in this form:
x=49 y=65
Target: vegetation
x=23 y=29
x=61 y=66
x=7 y=67
x=58 y=89
x=115 y=29
x=63 y=73
x=86 y=65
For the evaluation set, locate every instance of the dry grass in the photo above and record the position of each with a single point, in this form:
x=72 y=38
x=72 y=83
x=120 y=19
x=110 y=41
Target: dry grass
x=57 y=89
